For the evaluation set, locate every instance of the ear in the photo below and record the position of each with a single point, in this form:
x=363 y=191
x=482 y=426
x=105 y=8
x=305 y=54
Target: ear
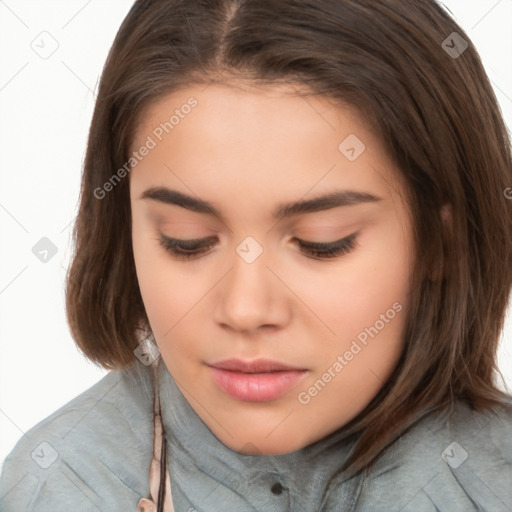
x=445 y=212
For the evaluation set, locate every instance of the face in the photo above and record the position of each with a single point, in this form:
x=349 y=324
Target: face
x=273 y=251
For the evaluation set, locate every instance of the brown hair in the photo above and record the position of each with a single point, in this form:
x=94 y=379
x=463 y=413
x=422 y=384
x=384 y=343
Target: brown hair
x=438 y=119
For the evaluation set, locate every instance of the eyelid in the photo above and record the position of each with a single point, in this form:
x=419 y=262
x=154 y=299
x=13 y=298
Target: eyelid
x=330 y=250
x=326 y=244
x=308 y=243
x=192 y=248
x=185 y=241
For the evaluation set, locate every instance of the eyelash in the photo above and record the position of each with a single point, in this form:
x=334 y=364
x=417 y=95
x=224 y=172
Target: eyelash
x=187 y=249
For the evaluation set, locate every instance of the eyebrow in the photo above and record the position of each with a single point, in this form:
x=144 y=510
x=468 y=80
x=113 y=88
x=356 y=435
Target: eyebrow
x=332 y=200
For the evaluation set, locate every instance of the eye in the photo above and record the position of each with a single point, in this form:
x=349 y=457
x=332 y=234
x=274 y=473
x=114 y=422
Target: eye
x=187 y=249
x=328 y=250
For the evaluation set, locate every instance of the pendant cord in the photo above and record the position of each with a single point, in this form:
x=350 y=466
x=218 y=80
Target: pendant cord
x=163 y=447
x=163 y=470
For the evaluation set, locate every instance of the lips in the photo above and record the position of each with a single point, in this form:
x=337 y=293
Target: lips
x=256 y=366
x=261 y=380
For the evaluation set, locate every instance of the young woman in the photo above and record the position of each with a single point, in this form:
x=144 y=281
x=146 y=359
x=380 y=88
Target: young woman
x=293 y=251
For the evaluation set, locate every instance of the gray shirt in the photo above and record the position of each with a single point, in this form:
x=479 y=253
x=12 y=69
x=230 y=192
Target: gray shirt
x=94 y=454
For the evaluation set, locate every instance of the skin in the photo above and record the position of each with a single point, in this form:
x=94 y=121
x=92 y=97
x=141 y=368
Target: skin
x=247 y=150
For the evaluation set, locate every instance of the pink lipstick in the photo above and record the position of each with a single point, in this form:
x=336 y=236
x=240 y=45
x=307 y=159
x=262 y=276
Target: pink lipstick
x=260 y=380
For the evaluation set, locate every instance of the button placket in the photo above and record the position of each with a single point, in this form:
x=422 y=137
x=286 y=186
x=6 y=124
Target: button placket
x=268 y=491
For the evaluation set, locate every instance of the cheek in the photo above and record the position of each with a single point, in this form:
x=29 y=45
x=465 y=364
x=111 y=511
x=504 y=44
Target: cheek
x=363 y=286
x=165 y=292
x=364 y=302
x=166 y=297
x=173 y=296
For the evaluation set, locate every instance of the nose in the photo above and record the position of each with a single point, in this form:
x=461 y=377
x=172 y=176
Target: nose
x=251 y=297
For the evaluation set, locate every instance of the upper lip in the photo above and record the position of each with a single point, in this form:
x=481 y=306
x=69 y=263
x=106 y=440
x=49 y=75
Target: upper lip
x=255 y=366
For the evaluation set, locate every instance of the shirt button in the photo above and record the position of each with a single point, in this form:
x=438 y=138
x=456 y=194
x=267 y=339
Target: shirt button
x=276 y=489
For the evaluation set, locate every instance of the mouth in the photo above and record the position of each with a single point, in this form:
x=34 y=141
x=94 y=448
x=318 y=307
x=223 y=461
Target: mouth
x=260 y=380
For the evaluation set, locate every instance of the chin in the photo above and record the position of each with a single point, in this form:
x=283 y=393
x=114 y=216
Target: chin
x=259 y=445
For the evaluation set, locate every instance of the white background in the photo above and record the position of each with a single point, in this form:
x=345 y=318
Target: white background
x=46 y=107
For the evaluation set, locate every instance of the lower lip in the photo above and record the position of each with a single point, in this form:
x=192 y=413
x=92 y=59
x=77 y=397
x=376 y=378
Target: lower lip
x=256 y=387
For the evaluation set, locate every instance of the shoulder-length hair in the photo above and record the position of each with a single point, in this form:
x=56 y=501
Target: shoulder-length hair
x=405 y=66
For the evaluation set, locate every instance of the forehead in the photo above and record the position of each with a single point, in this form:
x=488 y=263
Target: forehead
x=283 y=108
x=269 y=137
